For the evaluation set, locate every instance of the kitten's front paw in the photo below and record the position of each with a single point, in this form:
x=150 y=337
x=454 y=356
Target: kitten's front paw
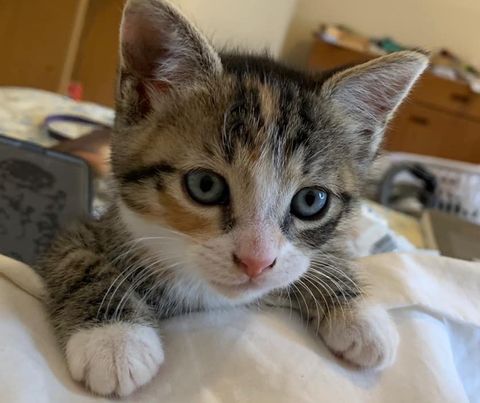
x=366 y=337
x=114 y=359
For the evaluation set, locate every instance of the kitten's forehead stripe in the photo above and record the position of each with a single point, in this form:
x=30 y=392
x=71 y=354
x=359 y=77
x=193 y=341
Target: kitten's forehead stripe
x=286 y=109
x=269 y=101
x=242 y=120
x=208 y=150
x=286 y=106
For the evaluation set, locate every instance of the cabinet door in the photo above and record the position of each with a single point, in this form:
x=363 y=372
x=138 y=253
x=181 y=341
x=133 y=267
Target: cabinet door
x=96 y=62
x=450 y=96
x=38 y=42
x=422 y=130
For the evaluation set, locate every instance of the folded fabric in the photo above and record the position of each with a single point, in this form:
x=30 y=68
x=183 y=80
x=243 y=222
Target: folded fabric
x=268 y=355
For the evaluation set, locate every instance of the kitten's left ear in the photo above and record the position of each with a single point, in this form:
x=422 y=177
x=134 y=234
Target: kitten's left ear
x=366 y=96
x=160 y=52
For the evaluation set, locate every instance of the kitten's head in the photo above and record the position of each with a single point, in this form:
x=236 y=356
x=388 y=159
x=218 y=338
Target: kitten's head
x=239 y=171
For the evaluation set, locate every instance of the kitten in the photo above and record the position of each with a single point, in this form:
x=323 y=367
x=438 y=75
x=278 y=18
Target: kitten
x=235 y=179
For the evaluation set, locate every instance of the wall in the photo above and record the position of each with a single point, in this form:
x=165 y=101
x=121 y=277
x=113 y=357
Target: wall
x=430 y=24
x=248 y=24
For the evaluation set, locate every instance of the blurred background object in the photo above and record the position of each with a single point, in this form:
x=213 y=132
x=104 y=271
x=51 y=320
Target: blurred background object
x=427 y=24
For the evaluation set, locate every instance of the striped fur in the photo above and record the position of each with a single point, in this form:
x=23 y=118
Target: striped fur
x=269 y=131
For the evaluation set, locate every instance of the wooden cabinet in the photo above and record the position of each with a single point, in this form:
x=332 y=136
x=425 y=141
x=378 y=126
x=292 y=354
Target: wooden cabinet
x=97 y=57
x=38 y=42
x=440 y=118
x=48 y=44
x=424 y=130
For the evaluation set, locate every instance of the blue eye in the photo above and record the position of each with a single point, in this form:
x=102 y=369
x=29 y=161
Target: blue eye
x=206 y=187
x=308 y=203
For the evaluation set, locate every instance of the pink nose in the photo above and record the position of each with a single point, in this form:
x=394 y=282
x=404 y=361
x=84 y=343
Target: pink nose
x=253 y=266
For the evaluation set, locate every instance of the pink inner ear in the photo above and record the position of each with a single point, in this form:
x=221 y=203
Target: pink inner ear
x=159 y=45
x=143 y=43
x=373 y=96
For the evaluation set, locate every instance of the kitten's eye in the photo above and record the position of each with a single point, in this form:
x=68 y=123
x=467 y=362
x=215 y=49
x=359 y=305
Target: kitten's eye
x=206 y=187
x=308 y=203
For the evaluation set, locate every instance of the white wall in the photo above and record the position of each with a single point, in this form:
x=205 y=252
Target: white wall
x=431 y=24
x=248 y=24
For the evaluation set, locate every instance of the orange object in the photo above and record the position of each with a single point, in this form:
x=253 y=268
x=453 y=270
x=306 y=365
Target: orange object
x=75 y=91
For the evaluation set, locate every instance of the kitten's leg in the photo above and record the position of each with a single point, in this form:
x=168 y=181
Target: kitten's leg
x=112 y=349
x=331 y=300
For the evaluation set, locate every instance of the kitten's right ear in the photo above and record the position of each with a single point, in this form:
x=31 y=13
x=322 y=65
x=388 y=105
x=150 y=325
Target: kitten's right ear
x=160 y=51
x=365 y=97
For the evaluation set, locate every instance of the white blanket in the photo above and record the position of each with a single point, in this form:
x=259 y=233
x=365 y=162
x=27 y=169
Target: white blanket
x=269 y=356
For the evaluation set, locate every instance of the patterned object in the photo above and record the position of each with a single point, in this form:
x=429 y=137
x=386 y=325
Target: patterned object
x=458 y=184
x=23 y=110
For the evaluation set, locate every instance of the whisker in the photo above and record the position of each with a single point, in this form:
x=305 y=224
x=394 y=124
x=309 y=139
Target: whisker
x=303 y=298
x=129 y=271
x=327 y=305
x=300 y=282
x=159 y=282
x=345 y=276
x=333 y=279
x=135 y=284
x=333 y=295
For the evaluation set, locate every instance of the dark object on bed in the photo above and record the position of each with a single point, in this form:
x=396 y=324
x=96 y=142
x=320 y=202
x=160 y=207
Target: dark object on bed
x=41 y=191
x=420 y=185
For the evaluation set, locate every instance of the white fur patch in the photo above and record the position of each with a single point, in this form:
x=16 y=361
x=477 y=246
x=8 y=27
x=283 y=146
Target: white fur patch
x=114 y=359
x=366 y=337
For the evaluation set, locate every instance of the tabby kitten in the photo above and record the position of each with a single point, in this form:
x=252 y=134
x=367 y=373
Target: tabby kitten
x=235 y=179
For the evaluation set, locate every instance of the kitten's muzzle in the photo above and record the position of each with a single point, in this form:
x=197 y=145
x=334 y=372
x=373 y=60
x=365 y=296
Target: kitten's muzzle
x=253 y=265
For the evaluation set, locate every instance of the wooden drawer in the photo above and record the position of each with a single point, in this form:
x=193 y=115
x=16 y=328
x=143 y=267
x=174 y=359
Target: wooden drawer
x=325 y=56
x=451 y=96
x=419 y=129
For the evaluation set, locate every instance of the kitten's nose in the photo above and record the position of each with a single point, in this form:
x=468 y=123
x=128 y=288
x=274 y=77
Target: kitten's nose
x=253 y=266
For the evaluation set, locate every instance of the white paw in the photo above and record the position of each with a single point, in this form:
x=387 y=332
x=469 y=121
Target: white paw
x=366 y=337
x=114 y=359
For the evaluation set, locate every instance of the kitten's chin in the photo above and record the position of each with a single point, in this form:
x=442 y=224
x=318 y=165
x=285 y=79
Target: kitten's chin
x=244 y=292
